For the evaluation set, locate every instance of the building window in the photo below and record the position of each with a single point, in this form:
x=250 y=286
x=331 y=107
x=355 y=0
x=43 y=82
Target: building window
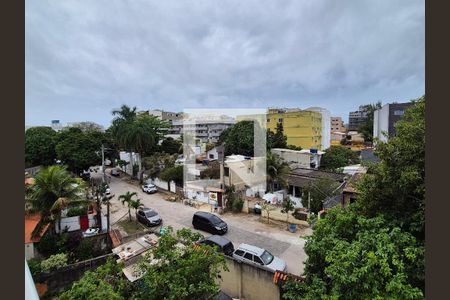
x=211 y=156
x=226 y=171
x=399 y=112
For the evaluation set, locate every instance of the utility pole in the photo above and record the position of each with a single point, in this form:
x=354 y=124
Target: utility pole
x=103 y=163
x=309 y=203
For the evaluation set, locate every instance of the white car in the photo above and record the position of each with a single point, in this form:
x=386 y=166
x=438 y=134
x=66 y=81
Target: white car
x=149 y=188
x=253 y=255
x=108 y=190
x=91 y=232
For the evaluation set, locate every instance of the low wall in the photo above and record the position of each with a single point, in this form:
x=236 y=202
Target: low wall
x=63 y=278
x=277 y=215
x=243 y=281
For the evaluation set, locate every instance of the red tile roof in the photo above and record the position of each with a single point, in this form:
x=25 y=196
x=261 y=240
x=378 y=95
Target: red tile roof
x=29 y=181
x=30 y=224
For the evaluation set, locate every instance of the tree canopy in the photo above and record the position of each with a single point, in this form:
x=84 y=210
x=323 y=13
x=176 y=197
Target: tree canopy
x=40 y=145
x=374 y=248
x=106 y=282
x=171 y=146
x=396 y=187
x=337 y=157
x=183 y=273
x=366 y=129
x=319 y=190
x=79 y=149
x=239 y=139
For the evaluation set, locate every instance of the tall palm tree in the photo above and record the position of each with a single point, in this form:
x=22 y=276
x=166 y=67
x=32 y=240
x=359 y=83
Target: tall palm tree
x=128 y=198
x=121 y=126
x=53 y=190
x=277 y=171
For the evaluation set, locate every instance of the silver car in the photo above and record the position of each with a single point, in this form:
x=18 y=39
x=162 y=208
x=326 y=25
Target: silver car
x=257 y=256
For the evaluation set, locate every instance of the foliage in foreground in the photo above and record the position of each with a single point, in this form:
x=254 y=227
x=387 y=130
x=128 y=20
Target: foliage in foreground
x=337 y=157
x=374 y=249
x=182 y=273
x=186 y=273
x=106 y=282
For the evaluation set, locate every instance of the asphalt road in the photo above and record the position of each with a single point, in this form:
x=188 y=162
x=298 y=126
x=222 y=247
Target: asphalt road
x=242 y=228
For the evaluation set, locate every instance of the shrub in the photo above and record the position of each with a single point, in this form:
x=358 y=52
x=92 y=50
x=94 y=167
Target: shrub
x=54 y=262
x=35 y=266
x=76 y=211
x=237 y=205
x=52 y=244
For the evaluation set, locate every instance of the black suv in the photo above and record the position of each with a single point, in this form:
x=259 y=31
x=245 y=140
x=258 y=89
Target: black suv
x=209 y=222
x=225 y=246
x=148 y=216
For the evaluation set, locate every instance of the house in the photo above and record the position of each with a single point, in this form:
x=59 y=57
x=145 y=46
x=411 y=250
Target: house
x=308 y=159
x=246 y=174
x=301 y=178
x=350 y=192
x=216 y=153
x=31 y=222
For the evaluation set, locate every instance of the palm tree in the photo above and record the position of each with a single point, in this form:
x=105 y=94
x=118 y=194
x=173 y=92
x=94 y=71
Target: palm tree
x=128 y=199
x=277 y=171
x=121 y=126
x=135 y=204
x=54 y=189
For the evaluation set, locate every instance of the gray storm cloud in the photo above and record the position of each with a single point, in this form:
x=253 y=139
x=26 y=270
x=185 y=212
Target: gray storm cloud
x=84 y=58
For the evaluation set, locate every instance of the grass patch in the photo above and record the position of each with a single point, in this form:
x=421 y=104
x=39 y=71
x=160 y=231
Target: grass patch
x=131 y=227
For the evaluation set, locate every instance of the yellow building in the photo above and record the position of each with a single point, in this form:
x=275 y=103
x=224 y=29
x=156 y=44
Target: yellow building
x=303 y=128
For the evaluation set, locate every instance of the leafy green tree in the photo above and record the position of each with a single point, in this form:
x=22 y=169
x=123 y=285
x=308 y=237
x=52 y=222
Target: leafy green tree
x=173 y=173
x=79 y=150
x=52 y=184
x=337 y=157
x=354 y=257
x=374 y=248
x=396 y=187
x=319 y=190
x=128 y=199
x=182 y=272
x=293 y=147
x=212 y=172
x=155 y=163
x=106 y=282
x=287 y=207
x=239 y=139
x=40 y=146
x=171 y=146
x=366 y=129
x=54 y=262
x=277 y=171
x=279 y=140
x=88 y=126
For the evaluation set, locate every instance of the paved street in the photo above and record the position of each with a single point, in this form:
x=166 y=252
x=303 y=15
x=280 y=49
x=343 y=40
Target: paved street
x=242 y=228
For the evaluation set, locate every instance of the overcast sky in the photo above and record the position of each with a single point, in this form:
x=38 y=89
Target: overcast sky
x=85 y=58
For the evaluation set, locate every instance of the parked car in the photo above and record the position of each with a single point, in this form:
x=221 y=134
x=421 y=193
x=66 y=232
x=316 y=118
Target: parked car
x=257 y=256
x=224 y=245
x=91 y=232
x=108 y=190
x=209 y=222
x=149 y=188
x=148 y=216
x=115 y=172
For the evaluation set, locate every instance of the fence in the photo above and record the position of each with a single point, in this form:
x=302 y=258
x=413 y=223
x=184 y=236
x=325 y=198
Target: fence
x=33 y=170
x=65 y=276
x=248 y=282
